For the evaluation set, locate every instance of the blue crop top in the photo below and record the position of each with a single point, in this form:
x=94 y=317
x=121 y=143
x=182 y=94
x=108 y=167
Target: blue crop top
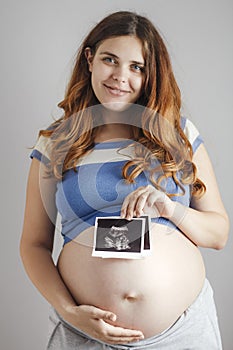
x=98 y=188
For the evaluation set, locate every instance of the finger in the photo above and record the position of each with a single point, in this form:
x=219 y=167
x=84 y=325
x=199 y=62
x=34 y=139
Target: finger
x=124 y=340
x=128 y=209
x=140 y=204
x=123 y=332
x=128 y=199
x=152 y=199
x=102 y=314
x=109 y=316
x=132 y=203
x=124 y=207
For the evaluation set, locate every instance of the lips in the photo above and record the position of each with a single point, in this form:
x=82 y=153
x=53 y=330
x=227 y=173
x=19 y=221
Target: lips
x=116 y=91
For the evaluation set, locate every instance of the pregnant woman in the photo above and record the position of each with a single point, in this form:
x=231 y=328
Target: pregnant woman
x=123 y=149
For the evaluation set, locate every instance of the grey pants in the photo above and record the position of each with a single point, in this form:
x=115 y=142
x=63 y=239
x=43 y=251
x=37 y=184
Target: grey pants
x=196 y=329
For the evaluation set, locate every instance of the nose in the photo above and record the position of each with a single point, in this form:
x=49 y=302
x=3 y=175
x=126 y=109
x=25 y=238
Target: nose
x=120 y=74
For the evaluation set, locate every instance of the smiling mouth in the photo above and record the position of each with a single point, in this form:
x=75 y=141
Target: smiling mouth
x=116 y=91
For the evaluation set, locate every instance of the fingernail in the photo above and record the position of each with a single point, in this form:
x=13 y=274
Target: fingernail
x=112 y=317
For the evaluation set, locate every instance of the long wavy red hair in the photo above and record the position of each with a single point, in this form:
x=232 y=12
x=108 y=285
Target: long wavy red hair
x=160 y=132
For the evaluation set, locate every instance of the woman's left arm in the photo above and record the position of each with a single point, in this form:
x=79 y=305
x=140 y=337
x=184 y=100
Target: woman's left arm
x=205 y=222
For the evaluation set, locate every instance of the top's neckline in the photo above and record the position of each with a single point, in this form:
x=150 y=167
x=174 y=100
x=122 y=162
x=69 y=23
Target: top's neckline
x=113 y=144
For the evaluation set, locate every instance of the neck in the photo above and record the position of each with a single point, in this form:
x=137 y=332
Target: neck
x=114 y=125
x=117 y=117
x=113 y=131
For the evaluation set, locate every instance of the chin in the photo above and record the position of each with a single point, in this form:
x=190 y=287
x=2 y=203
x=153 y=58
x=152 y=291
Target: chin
x=117 y=106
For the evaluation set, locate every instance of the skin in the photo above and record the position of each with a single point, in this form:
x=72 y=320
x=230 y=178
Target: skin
x=211 y=220
x=207 y=212
x=117 y=72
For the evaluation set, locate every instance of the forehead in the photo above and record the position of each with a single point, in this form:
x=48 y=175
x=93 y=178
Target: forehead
x=125 y=47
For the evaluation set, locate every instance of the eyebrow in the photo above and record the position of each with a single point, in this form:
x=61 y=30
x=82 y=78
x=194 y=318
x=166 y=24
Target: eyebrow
x=115 y=56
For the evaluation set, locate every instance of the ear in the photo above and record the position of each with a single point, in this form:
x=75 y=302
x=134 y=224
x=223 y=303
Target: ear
x=89 y=57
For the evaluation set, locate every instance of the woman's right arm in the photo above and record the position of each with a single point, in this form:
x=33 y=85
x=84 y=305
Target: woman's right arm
x=36 y=248
x=37 y=239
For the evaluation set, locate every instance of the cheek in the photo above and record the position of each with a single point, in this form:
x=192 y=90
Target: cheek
x=95 y=80
x=99 y=75
x=138 y=84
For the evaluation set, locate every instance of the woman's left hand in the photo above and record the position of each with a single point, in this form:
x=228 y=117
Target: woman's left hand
x=146 y=200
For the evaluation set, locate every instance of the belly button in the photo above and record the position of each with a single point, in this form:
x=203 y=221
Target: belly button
x=131 y=297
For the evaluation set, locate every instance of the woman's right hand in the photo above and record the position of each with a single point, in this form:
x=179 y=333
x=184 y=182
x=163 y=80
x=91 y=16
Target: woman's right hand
x=99 y=324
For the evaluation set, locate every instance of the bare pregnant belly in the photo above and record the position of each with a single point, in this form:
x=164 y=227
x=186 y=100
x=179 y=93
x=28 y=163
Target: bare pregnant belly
x=147 y=294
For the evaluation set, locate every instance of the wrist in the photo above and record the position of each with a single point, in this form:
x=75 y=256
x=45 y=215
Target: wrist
x=167 y=208
x=71 y=314
x=67 y=309
x=176 y=212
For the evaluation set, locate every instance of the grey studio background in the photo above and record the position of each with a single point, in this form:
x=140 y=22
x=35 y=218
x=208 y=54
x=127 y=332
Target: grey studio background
x=38 y=42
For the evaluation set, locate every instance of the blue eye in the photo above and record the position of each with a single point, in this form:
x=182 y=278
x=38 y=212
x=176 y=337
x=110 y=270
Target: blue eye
x=137 y=68
x=109 y=59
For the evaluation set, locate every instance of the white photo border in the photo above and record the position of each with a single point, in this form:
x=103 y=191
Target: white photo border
x=145 y=221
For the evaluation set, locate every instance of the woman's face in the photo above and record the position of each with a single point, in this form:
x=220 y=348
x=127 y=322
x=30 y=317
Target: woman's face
x=117 y=71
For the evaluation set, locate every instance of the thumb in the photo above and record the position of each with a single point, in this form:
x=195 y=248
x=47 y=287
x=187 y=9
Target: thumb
x=110 y=316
